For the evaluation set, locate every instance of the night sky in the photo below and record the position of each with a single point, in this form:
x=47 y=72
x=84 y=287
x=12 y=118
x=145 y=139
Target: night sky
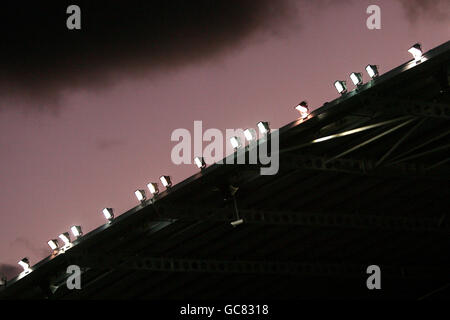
x=86 y=116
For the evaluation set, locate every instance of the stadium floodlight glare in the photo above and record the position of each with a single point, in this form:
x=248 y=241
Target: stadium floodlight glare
x=372 y=70
x=235 y=142
x=303 y=109
x=165 y=180
x=65 y=237
x=153 y=187
x=140 y=195
x=108 y=213
x=76 y=231
x=356 y=78
x=200 y=162
x=53 y=244
x=250 y=134
x=25 y=264
x=341 y=86
x=237 y=222
x=263 y=127
x=416 y=51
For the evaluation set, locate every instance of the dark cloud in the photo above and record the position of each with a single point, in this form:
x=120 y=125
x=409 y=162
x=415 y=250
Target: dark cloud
x=9 y=270
x=40 y=58
x=426 y=9
x=28 y=247
x=107 y=144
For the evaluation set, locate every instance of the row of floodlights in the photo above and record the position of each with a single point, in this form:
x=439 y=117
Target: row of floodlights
x=357 y=79
x=250 y=135
x=55 y=245
x=372 y=71
x=141 y=194
x=65 y=238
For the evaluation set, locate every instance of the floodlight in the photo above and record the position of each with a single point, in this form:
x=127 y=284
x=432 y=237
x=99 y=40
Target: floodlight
x=263 y=127
x=235 y=142
x=108 y=213
x=65 y=237
x=53 y=244
x=341 y=86
x=356 y=78
x=250 y=134
x=200 y=162
x=140 y=195
x=153 y=187
x=76 y=231
x=303 y=109
x=237 y=222
x=165 y=180
x=416 y=51
x=372 y=70
x=25 y=264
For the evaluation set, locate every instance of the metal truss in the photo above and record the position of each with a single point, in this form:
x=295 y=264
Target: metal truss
x=400 y=141
x=349 y=132
x=165 y=264
x=365 y=167
x=339 y=220
x=417 y=108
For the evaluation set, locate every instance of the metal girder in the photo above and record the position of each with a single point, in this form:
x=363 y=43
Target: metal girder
x=358 y=221
x=422 y=144
x=346 y=133
x=421 y=154
x=165 y=264
x=414 y=107
x=364 y=167
x=425 y=109
x=399 y=142
x=372 y=139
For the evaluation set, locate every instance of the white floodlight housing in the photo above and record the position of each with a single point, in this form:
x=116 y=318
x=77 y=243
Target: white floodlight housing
x=76 y=231
x=263 y=127
x=356 y=78
x=165 y=180
x=65 y=237
x=153 y=187
x=303 y=109
x=416 y=51
x=25 y=264
x=140 y=195
x=53 y=244
x=235 y=142
x=108 y=213
x=372 y=70
x=341 y=86
x=237 y=222
x=200 y=162
x=250 y=134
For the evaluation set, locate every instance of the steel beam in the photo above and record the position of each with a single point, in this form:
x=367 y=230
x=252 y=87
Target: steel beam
x=414 y=107
x=375 y=138
x=166 y=264
x=338 y=220
x=365 y=167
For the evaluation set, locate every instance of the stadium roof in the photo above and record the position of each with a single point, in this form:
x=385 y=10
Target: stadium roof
x=362 y=181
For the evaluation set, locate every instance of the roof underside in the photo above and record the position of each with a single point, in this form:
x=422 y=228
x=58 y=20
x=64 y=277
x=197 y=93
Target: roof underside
x=375 y=192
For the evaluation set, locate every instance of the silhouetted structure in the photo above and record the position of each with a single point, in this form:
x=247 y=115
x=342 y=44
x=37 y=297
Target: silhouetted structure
x=375 y=191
